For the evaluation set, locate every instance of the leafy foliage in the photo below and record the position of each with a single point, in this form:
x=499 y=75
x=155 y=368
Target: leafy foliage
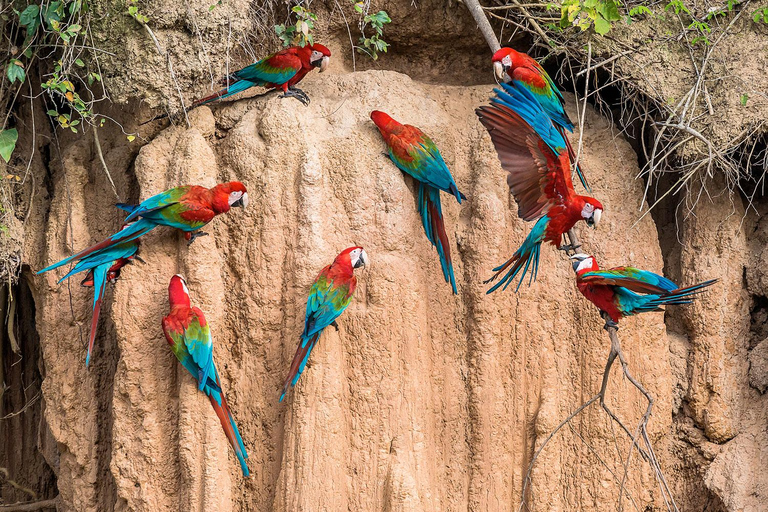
x=8 y=140
x=300 y=32
x=374 y=44
x=584 y=14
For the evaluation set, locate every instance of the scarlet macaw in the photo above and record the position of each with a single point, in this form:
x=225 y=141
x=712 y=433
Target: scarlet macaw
x=512 y=66
x=187 y=208
x=625 y=291
x=189 y=336
x=415 y=153
x=534 y=154
x=283 y=69
x=329 y=296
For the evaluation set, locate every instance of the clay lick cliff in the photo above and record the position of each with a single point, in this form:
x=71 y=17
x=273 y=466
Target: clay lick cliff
x=422 y=400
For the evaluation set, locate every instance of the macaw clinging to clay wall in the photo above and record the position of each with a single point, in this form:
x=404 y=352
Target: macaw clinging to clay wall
x=329 y=296
x=415 y=153
x=187 y=208
x=283 y=70
x=189 y=336
x=534 y=154
x=512 y=66
x=625 y=291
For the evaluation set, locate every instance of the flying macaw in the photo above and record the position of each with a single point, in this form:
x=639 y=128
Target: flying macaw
x=283 y=70
x=415 y=153
x=512 y=66
x=625 y=291
x=103 y=267
x=187 y=208
x=189 y=335
x=534 y=154
x=328 y=298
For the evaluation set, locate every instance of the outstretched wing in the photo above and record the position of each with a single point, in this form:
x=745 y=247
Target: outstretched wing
x=530 y=149
x=278 y=68
x=543 y=88
x=636 y=280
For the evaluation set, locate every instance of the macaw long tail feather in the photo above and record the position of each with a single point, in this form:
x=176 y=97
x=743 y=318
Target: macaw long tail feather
x=434 y=226
x=682 y=295
x=131 y=232
x=99 y=287
x=230 y=429
x=526 y=256
x=572 y=158
x=299 y=362
x=226 y=92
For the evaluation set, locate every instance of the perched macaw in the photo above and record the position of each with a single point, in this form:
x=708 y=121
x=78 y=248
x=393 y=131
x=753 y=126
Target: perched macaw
x=189 y=335
x=187 y=208
x=328 y=298
x=512 y=66
x=283 y=70
x=534 y=154
x=103 y=267
x=415 y=153
x=625 y=291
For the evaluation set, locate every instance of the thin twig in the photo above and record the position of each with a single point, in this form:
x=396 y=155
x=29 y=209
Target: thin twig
x=97 y=144
x=30 y=506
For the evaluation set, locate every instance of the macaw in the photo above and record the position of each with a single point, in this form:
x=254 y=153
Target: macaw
x=625 y=291
x=534 y=154
x=103 y=267
x=189 y=336
x=187 y=208
x=512 y=66
x=415 y=153
x=329 y=296
x=283 y=69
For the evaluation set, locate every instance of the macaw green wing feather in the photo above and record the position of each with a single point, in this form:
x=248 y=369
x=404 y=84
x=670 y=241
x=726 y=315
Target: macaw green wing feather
x=636 y=280
x=326 y=301
x=275 y=69
x=157 y=202
x=199 y=344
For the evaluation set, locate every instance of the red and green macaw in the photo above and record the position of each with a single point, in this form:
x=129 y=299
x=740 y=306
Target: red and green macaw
x=534 y=154
x=189 y=336
x=512 y=66
x=416 y=154
x=187 y=208
x=283 y=70
x=625 y=291
x=329 y=296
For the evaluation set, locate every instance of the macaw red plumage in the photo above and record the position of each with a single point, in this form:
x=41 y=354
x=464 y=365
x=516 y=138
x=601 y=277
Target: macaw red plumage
x=187 y=208
x=281 y=70
x=415 y=153
x=329 y=296
x=189 y=336
x=533 y=152
x=512 y=66
x=625 y=291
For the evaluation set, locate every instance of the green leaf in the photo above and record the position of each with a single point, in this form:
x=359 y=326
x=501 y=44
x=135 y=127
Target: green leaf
x=744 y=98
x=8 y=140
x=30 y=16
x=74 y=28
x=609 y=10
x=52 y=113
x=79 y=62
x=602 y=26
x=15 y=71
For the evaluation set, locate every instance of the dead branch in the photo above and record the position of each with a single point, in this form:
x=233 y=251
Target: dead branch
x=30 y=506
x=483 y=24
x=97 y=144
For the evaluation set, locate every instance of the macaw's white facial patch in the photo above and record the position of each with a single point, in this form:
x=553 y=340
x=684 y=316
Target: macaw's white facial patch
x=183 y=284
x=236 y=196
x=585 y=264
x=587 y=211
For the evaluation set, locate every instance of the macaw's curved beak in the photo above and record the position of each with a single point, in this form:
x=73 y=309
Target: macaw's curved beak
x=323 y=64
x=499 y=70
x=594 y=220
x=362 y=261
x=243 y=201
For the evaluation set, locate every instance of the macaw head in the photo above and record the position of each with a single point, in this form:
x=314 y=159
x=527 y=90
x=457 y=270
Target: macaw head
x=226 y=195
x=583 y=263
x=355 y=257
x=320 y=56
x=382 y=121
x=178 y=293
x=504 y=60
x=592 y=211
